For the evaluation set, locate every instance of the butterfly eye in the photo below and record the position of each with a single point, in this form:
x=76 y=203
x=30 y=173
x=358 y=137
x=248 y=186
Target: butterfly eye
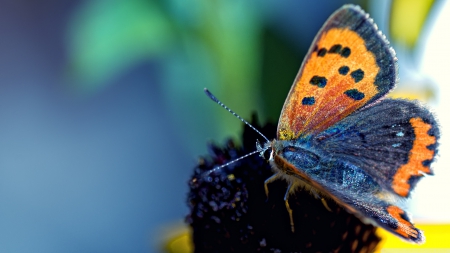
x=266 y=154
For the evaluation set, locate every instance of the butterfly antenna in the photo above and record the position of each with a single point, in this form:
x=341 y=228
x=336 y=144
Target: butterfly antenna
x=228 y=163
x=259 y=149
x=213 y=98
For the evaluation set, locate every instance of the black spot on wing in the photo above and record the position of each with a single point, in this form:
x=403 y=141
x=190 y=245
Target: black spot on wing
x=427 y=163
x=320 y=81
x=344 y=70
x=308 y=101
x=357 y=75
x=345 y=52
x=335 y=49
x=354 y=94
x=322 y=52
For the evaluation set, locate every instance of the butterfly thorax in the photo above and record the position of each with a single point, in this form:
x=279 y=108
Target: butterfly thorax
x=292 y=160
x=295 y=152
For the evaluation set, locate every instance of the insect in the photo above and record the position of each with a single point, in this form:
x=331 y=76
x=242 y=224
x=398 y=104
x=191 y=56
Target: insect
x=338 y=136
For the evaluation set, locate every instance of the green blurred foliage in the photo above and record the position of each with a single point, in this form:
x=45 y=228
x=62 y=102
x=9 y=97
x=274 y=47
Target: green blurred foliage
x=201 y=43
x=106 y=37
x=219 y=45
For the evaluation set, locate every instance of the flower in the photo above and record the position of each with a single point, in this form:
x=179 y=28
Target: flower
x=229 y=210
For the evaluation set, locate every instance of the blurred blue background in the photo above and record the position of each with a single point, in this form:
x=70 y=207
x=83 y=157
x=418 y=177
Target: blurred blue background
x=102 y=113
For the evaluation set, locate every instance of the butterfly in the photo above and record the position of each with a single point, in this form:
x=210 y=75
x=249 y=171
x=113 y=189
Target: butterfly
x=341 y=138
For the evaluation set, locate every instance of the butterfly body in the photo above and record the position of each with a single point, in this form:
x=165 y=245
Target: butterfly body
x=338 y=135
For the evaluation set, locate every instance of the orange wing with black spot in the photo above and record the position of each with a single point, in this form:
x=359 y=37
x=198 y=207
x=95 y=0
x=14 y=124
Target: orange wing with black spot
x=349 y=65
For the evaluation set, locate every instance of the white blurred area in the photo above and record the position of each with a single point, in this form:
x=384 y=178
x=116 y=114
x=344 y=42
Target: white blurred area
x=430 y=202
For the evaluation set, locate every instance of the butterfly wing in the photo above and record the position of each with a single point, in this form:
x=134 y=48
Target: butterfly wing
x=350 y=64
x=393 y=141
x=348 y=185
x=386 y=215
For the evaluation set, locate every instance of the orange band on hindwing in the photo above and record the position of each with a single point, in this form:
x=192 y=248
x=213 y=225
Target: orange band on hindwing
x=405 y=228
x=418 y=154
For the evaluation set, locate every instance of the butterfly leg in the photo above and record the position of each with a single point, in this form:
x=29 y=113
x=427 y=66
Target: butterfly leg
x=269 y=180
x=324 y=202
x=286 y=202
